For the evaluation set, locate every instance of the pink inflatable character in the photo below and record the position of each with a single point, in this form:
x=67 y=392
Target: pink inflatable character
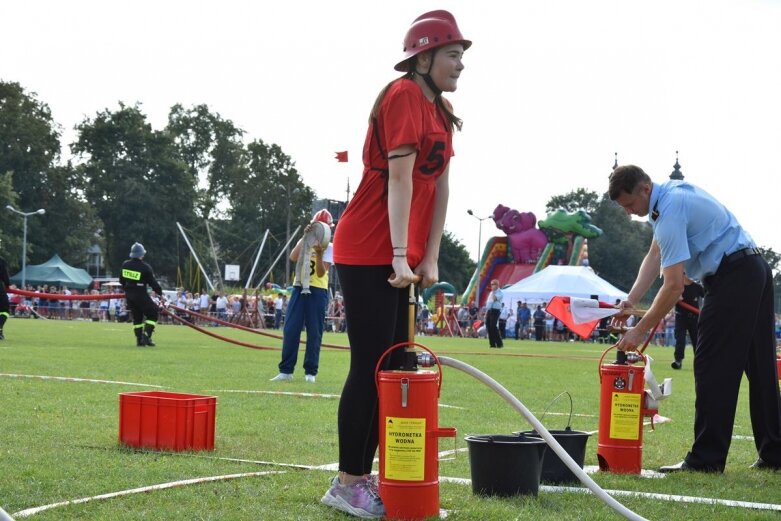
x=525 y=241
x=498 y=215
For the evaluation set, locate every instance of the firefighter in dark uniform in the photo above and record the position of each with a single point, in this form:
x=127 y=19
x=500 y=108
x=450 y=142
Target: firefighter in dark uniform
x=4 y=304
x=685 y=320
x=136 y=275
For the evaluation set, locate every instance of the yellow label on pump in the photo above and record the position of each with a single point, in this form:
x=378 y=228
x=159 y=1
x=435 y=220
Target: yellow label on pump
x=405 y=448
x=625 y=416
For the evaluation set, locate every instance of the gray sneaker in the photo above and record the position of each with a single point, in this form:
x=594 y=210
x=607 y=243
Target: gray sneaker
x=282 y=377
x=359 y=499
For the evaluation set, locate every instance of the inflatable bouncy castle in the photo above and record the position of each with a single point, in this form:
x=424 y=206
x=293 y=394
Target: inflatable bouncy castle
x=529 y=246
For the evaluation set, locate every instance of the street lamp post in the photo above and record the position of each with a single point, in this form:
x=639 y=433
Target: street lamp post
x=479 y=244
x=25 y=215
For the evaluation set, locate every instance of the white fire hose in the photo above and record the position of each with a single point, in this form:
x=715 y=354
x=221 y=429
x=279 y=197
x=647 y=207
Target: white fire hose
x=543 y=432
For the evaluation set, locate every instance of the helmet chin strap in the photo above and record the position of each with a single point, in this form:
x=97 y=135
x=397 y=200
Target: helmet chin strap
x=427 y=76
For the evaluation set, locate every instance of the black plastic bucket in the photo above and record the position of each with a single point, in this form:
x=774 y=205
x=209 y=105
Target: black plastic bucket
x=504 y=465
x=553 y=469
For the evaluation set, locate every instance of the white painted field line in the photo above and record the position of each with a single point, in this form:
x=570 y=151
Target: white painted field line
x=645 y=495
x=74 y=379
x=281 y=393
x=162 y=486
x=303 y=394
x=573 y=414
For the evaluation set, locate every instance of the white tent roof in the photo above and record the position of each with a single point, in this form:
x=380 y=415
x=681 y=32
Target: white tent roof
x=569 y=281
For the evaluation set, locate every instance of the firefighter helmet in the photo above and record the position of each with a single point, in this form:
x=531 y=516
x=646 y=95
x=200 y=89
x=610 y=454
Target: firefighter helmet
x=429 y=31
x=137 y=251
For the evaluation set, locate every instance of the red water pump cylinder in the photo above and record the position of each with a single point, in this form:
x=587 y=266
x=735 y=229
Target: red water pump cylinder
x=623 y=403
x=409 y=441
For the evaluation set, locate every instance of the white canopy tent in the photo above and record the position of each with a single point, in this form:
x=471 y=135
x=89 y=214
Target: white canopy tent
x=568 y=281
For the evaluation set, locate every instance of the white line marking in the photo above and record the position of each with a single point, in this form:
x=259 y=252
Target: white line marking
x=446 y=479
x=646 y=495
x=32 y=511
x=73 y=379
x=306 y=395
x=573 y=414
x=281 y=393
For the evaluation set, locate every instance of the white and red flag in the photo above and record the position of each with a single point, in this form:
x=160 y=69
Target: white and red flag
x=580 y=315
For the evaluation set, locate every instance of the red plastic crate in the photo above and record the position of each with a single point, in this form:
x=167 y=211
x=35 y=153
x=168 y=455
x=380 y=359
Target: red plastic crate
x=167 y=421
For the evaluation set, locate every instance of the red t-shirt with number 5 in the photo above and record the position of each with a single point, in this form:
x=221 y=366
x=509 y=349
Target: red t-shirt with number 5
x=406 y=117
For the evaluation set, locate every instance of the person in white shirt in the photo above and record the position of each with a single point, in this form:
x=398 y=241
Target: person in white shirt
x=222 y=306
x=504 y=314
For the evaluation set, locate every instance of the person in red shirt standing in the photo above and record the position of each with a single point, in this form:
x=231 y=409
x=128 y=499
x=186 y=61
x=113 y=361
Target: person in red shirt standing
x=390 y=233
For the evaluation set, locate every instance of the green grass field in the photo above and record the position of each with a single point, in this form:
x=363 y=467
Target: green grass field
x=58 y=439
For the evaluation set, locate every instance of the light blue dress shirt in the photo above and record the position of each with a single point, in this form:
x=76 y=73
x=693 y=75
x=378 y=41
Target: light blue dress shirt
x=692 y=227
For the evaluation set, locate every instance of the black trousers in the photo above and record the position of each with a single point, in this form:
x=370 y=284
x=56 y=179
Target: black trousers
x=736 y=336
x=378 y=317
x=539 y=332
x=141 y=305
x=4 y=306
x=685 y=322
x=492 y=326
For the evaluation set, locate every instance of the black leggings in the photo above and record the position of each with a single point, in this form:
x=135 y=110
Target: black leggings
x=377 y=315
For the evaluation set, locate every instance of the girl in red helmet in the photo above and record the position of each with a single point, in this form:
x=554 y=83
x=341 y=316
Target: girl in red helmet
x=390 y=233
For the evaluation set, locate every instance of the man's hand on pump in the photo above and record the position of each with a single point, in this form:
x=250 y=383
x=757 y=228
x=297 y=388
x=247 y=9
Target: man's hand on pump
x=630 y=338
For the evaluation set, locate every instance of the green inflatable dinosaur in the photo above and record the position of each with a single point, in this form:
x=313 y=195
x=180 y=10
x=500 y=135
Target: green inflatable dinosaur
x=560 y=223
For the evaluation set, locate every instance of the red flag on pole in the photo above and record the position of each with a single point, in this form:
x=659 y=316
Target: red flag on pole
x=341 y=156
x=582 y=319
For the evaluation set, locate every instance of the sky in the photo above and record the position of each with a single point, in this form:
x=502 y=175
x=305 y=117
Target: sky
x=551 y=89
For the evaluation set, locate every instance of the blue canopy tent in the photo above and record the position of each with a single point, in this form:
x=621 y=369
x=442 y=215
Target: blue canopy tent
x=55 y=271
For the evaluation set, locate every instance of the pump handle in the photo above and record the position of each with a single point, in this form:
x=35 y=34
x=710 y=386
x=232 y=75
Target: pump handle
x=601 y=358
x=407 y=345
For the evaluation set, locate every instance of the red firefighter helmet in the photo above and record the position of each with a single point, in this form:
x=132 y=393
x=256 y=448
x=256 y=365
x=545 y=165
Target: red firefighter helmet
x=429 y=31
x=324 y=216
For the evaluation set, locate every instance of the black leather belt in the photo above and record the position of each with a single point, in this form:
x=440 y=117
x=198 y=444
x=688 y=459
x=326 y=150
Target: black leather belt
x=736 y=256
x=730 y=259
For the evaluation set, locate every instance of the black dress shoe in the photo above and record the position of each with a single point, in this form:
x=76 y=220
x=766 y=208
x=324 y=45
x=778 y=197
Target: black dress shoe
x=764 y=465
x=676 y=364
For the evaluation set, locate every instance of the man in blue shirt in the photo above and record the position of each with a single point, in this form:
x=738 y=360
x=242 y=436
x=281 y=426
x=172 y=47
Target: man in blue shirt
x=695 y=234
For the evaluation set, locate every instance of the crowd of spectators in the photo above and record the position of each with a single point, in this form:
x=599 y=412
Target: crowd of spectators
x=244 y=309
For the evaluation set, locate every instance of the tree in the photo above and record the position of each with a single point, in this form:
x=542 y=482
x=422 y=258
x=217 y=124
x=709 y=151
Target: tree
x=617 y=254
x=455 y=266
x=29 y=142
x=269 y=195
x=64 y=207
x=580 y=199
x=11 y=231
x=30 y=150
x=138 y=183
x=213 y=151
